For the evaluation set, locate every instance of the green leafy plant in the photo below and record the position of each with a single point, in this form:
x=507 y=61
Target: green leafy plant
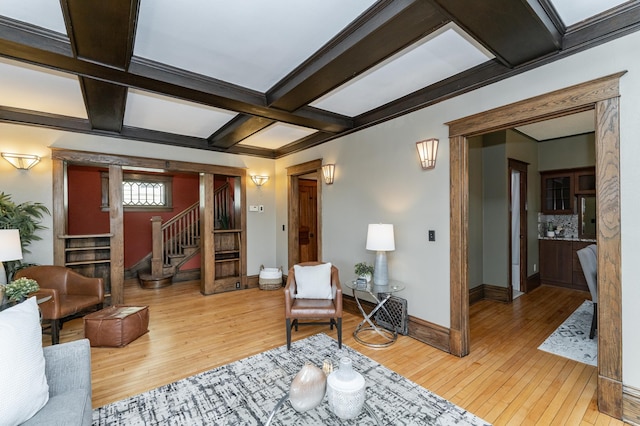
x=24 y=217
x=19 y=289
x=363 y=268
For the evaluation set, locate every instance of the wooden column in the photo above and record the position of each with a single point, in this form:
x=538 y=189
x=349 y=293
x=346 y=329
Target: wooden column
x=156 y=246
x=116 y=224
x=459 y=216
x=207 y=245
x=609 y=258
x=59 y=210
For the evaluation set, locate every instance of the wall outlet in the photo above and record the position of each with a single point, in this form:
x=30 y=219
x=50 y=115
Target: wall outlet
x=238 y=284
x=535 y=267
x=261 y=208
x=253 y=208
x=432 y=235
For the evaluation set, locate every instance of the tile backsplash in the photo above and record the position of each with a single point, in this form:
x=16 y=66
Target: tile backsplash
x=569 y=224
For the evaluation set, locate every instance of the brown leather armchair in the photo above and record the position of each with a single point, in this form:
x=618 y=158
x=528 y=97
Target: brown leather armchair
x=70 y=294
x=313 y=309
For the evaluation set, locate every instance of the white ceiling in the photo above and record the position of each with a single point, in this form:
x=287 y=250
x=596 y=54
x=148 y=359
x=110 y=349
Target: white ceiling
x=575 y=124
x=574 y=11
x=253 y=44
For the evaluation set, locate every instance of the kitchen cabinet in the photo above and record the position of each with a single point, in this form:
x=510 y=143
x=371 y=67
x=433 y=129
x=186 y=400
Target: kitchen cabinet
x=559 y=264
x=559 y=189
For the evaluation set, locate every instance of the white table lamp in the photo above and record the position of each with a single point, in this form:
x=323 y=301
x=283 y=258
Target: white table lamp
x=380 y=238
x=10 y=249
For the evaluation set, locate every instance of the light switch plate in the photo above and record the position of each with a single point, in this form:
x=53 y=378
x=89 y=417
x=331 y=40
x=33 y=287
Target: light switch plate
x=253 y=208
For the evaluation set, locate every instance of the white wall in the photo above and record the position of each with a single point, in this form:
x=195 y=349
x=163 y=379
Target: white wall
x=379 y=179
x=495 y=204
x=35 y=185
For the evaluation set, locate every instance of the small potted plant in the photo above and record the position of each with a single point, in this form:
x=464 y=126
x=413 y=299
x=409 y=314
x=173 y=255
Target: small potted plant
x=364 y=270
x=18 y=290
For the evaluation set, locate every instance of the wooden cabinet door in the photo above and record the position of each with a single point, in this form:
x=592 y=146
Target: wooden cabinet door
x=557 y=190
x=556 y=266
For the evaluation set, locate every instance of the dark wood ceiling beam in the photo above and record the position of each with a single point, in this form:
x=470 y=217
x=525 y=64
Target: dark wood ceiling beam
x=511 y=30
x=109 y=41
x=43 y=119
x=80 y=125
x=205 y=95
x=399 y=23
x=30 y=35
x=105 y=104
x=102 y=31
x=304 y=143
x=609 y=25
x=239 y=128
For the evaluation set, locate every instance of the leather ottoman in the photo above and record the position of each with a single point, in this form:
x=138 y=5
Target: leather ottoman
x=116 y=326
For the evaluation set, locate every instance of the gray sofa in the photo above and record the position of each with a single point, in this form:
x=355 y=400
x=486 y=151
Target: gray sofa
x=68 y=371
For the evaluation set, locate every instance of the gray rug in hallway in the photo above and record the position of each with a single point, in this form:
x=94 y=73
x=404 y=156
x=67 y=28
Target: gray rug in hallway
x=245 y=392
x=571 y=339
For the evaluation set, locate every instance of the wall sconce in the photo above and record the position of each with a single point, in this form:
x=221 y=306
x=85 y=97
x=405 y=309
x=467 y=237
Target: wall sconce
x=21 y=161
x=259 y=180
x=427 y=150
x=328 y=171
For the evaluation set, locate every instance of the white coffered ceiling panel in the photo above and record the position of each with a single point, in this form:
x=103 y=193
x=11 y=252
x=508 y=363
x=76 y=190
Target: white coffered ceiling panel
x=277 y=135
x=157 y=112
x=574 y=11
x=251 y=44
x=40 y=89
x=43 y=13
x=441 y=54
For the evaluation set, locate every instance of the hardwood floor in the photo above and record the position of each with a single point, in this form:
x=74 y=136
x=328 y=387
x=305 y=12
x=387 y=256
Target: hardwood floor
x=505 y=380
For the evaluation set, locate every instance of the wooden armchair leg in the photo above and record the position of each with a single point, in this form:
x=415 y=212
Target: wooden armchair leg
x=339 y=328
x=55 y=331
x=288 y=334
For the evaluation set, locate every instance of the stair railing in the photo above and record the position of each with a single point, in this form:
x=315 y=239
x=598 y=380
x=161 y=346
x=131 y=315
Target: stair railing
x=169 y=238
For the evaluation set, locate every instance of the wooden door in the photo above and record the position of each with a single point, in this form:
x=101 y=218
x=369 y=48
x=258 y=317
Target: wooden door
x=307 y=224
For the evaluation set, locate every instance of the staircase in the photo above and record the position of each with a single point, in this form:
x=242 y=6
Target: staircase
x=178 y=240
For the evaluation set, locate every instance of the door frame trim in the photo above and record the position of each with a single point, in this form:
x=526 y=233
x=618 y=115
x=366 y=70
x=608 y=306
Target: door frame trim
x=601 y=94
x=293 y=220
x=521 y=167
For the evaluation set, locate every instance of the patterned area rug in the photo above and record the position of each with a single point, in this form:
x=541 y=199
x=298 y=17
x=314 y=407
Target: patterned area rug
x=246 y=391
x=571 y=339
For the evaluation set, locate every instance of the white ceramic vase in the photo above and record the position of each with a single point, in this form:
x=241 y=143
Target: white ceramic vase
x=307 y=388
x=345 y=391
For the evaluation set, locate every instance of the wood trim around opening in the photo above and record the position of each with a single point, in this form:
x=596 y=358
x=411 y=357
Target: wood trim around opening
x=602 y=95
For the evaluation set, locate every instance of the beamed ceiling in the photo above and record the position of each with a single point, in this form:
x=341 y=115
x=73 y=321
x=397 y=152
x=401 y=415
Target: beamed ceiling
x=269 y=78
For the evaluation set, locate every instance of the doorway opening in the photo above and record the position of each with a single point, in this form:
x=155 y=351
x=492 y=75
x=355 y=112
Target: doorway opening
x=305 y=212
x=518 y=228
x=602 y=95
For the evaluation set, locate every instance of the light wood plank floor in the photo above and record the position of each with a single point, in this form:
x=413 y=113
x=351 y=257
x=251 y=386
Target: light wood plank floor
x=505 y=380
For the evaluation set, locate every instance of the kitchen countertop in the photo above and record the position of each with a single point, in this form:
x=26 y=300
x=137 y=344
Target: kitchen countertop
x=585 y=240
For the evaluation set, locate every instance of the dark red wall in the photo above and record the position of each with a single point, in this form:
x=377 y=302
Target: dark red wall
x=85 y=216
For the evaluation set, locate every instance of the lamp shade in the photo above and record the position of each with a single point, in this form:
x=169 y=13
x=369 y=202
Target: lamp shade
x=328 y=171
x=21 y=161
x=259 y=180
x=10 y=247
x=427 y=151
x=380 y=237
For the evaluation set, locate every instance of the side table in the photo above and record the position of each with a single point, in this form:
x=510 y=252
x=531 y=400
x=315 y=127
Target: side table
x=380 y=293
